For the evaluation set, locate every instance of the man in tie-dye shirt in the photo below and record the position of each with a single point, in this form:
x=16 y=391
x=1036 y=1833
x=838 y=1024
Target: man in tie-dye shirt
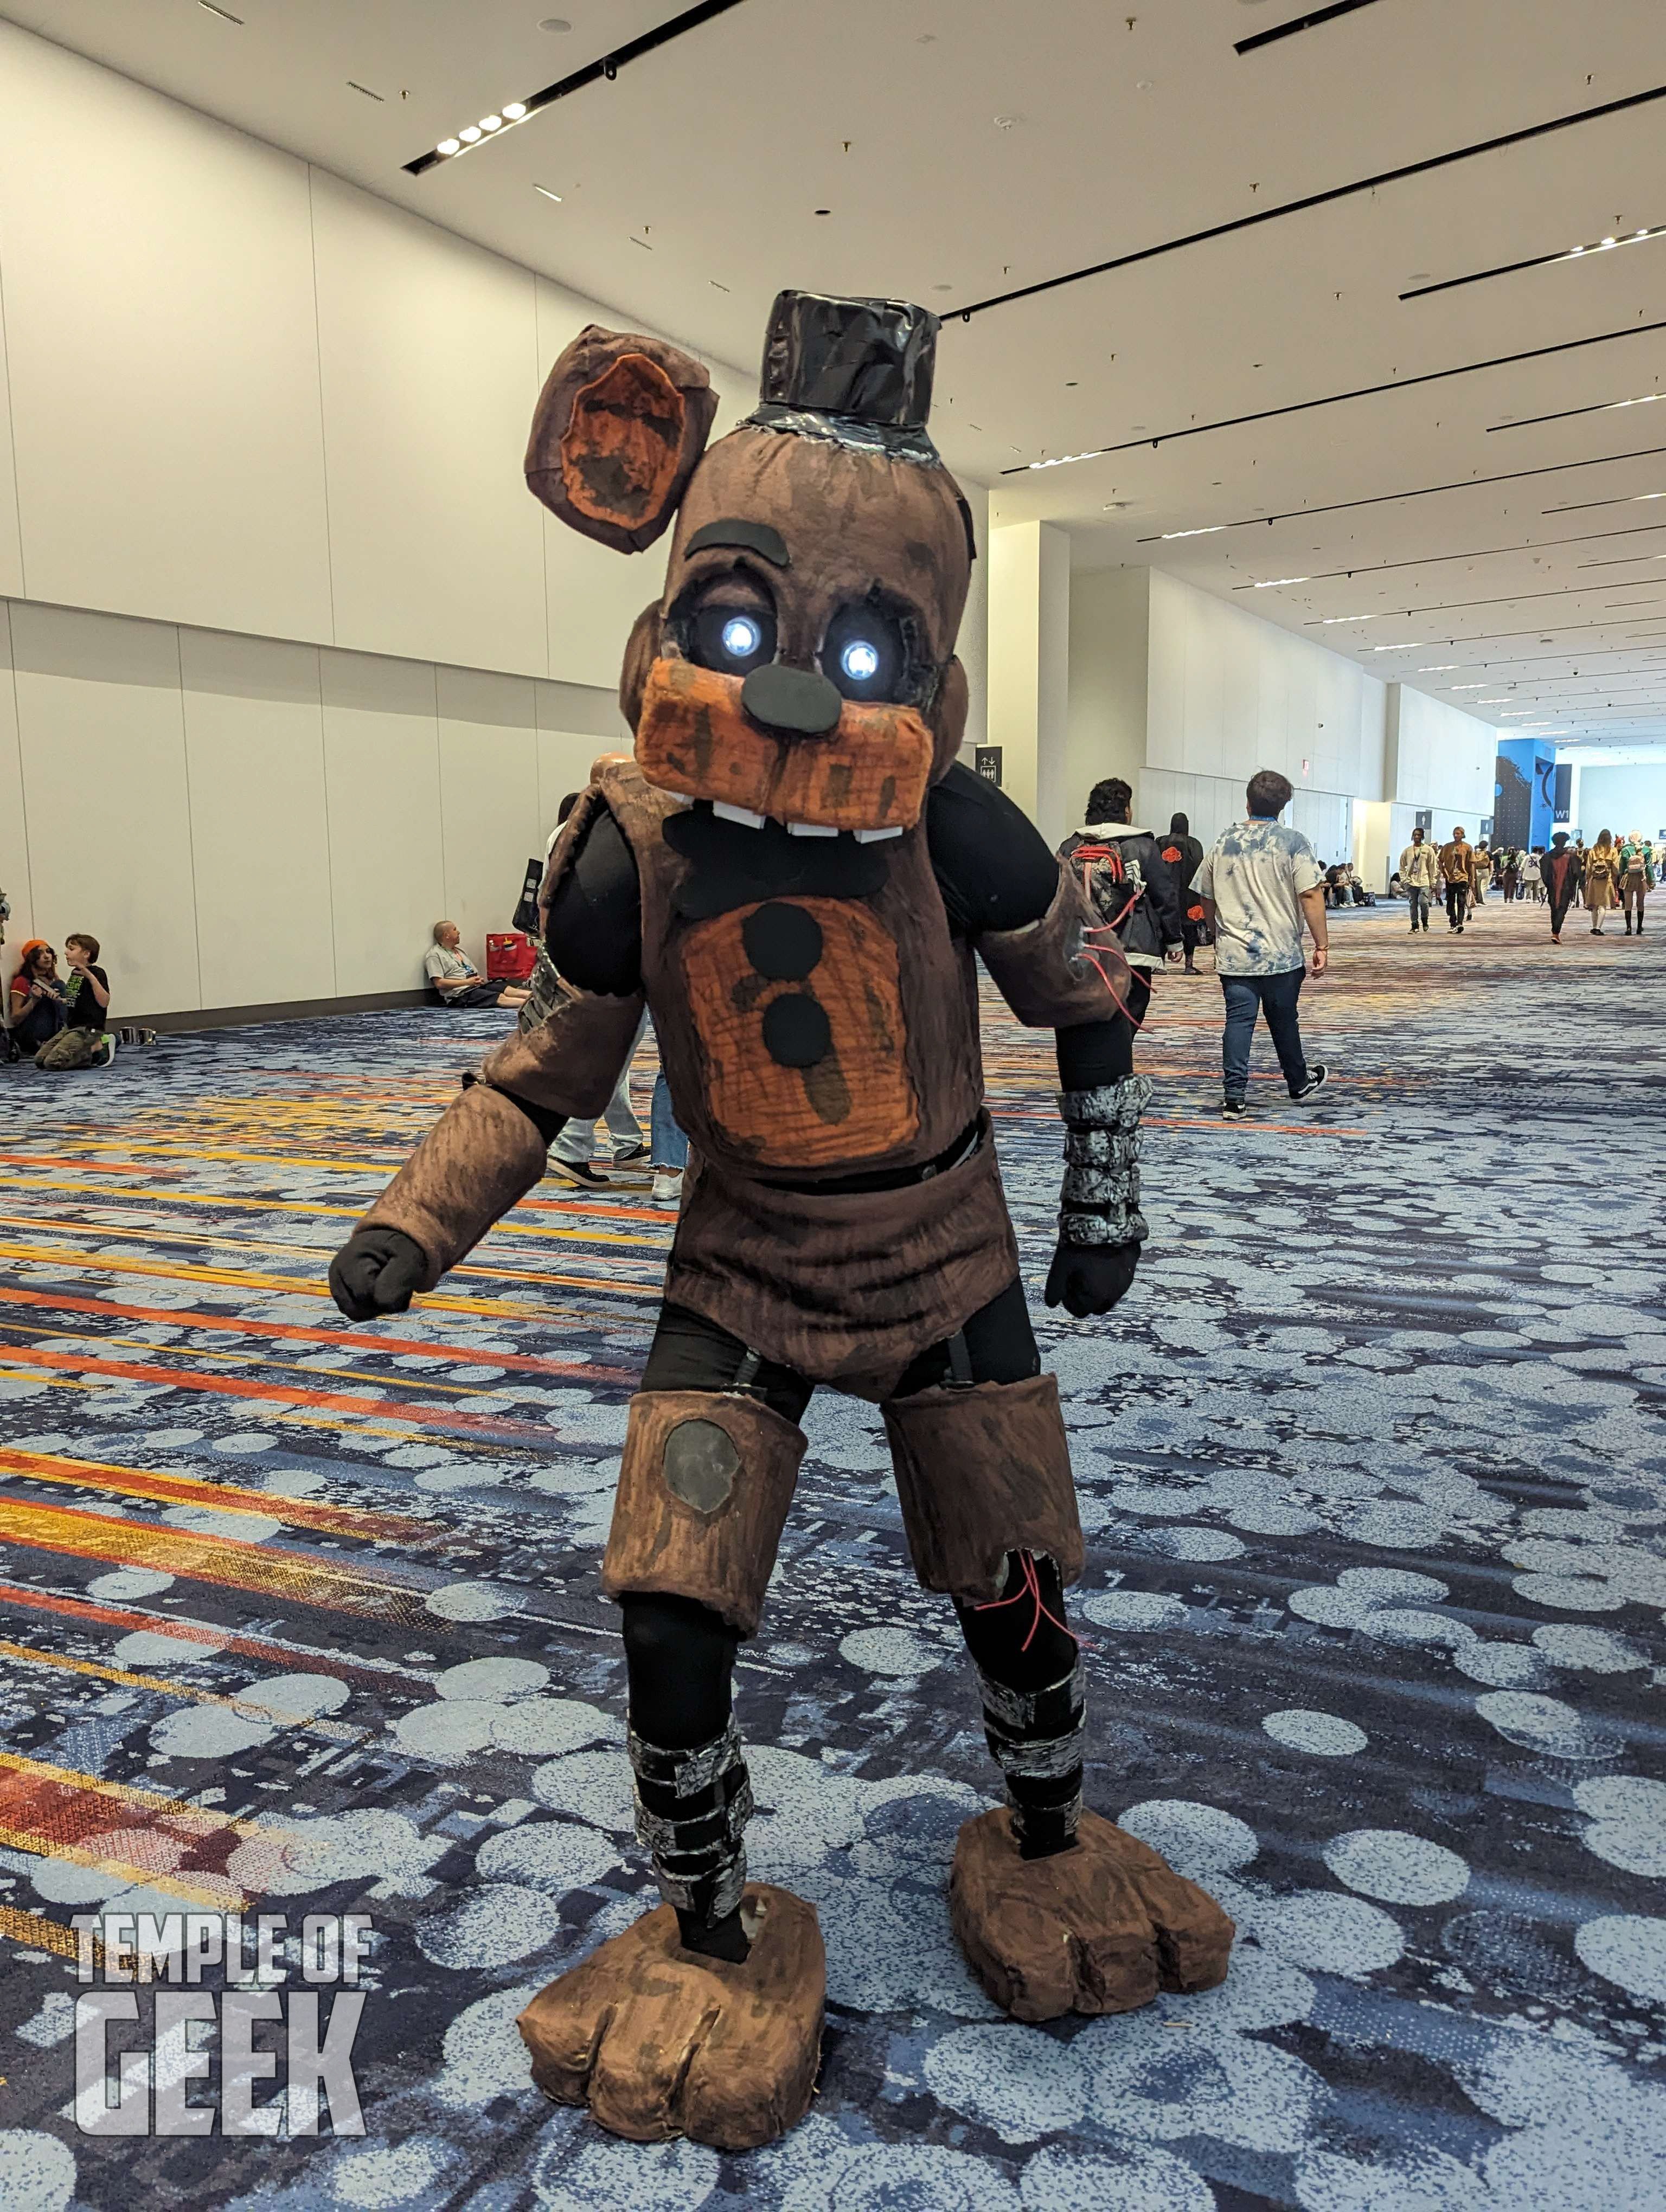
x=1259 y=883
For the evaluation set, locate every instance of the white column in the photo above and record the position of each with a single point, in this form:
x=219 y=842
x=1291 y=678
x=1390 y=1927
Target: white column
x=1029 y=666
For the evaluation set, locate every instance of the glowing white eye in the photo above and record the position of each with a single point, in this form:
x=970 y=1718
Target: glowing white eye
x=741 y=637
x=860 y=660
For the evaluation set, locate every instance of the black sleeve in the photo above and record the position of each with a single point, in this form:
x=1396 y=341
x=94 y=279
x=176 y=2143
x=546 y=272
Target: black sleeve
x=1167 y=897
x=991 y=862
x=1094 y=1053
x=595 y=935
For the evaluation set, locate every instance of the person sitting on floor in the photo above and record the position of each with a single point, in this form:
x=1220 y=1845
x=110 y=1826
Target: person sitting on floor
x=85 y=1040
x=37 y=1008
x=454 y=981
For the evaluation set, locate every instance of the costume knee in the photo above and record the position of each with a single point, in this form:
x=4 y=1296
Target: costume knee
x=703 y=1491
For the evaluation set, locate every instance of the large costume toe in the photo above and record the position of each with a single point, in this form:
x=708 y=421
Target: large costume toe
x=659 y=2042
x=1098 y=1929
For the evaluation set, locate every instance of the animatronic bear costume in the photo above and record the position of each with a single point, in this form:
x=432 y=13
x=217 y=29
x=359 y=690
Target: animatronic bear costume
x=794 y=874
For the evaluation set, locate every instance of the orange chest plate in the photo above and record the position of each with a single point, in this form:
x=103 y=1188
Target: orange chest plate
x=799 y=1010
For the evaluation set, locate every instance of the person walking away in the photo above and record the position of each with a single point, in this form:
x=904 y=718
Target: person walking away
x=1418 y=866
x=1581 y=853
x=1457 y=866
x=1533 y=882
x=1559 y=874
x=1480 y=876
x=1135 y=892
x=1259 y=882
x=1512 y=872
x=1193 y=930
x=1633 y=879
x=85 y=1040
x=1602 y=878
x=38 y=1009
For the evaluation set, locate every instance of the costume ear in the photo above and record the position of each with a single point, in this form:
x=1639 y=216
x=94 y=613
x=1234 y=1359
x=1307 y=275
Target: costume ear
x=620 y=423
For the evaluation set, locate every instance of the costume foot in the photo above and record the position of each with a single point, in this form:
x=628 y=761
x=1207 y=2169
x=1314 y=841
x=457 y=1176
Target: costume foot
x=1098 y=1929
x=659 y=2042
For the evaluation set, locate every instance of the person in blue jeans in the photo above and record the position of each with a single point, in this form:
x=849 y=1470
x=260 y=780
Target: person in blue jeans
x=669 y=1145
x=1259 y=883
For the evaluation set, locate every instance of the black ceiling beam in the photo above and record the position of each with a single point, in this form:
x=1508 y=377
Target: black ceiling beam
x=597 y=72
x=1316 y=199
x=1374 y=391
x=1298 y=24
x=1423 y=491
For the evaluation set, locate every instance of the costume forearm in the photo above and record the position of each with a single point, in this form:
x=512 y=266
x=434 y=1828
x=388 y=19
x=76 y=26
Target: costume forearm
x=1099 y=1203
x=1061 y=970
x=489 y=1147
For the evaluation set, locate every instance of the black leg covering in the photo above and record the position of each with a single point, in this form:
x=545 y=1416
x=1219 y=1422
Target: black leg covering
x=692 y=1794
x=1030 y=1672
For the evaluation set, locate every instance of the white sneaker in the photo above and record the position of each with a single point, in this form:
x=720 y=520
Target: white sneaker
x=668 y=1186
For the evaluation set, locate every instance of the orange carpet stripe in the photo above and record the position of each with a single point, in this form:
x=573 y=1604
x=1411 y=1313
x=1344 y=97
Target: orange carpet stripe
x=223 y=1497
x=223 y=1560
x=36 y=1933
x=87 y=1167
x=284 y=1655
x=277 y=1394
x=292 y=1332
x=253 y=1708
x=296 y=1286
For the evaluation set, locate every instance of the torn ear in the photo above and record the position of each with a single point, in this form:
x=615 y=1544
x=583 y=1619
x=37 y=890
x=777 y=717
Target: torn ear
x=620 y=423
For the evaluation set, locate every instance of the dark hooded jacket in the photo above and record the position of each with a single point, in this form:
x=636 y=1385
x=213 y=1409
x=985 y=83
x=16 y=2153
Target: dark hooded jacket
x=1136 y=890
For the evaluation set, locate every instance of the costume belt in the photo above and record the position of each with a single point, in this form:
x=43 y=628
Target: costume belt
x=969 y=1142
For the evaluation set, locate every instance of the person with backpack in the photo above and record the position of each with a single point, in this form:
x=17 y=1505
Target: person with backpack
x=1134 y=888
x=1418 y=866
x=1635 y=877
x=1457 y=868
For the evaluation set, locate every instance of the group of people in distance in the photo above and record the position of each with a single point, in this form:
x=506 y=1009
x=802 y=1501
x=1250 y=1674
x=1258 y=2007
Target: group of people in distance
x=1612 y=873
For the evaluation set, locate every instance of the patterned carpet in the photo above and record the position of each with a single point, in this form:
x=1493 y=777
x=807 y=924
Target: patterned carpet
x=302 y=1616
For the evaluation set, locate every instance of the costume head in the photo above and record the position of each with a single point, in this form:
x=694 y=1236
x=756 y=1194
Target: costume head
x=799 y=663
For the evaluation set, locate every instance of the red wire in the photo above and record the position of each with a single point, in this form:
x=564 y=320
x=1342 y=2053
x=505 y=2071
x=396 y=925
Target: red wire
x=1033 y=1590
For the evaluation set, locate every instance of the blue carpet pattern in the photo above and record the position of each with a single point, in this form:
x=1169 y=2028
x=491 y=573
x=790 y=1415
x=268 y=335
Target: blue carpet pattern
x=302 y=1616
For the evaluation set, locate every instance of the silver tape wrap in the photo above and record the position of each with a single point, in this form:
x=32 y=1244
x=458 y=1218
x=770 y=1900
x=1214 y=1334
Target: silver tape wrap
x=672 y=1838
x=685 y=1772
x=1112 y=1106
x=1018 y=1709
x=1048 y=1760
x=1099 y=1202
x=689 y=1897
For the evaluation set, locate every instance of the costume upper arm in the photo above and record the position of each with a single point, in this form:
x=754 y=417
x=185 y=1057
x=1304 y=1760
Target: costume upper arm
x=991 y=862
x=594 y=933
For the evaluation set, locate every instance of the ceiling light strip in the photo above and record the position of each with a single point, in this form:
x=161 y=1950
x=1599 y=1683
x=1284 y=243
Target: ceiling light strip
x=1298 y=24
x=1540 y=261
x=1601 y=407
x=1423 y=491
x=1373 y=392
x=1316 y=200
x=517 y=111
x=1481 y=553
x=1457 y=607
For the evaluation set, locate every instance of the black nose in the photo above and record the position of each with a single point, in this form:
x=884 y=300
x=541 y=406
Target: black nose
x=794 y=702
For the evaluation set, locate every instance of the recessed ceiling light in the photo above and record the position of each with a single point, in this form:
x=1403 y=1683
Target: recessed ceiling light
x=1439 y=668
x=1328 y=622
x=224 y=14
x=547 y=193
x=449 y=145
x=1063 y=460
x=1208 y=531
x=1273 y=583
x=1411 y=646
x=471 y=135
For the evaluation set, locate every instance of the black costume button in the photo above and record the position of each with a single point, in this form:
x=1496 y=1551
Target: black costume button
x=782 y=942
x=795 y=1031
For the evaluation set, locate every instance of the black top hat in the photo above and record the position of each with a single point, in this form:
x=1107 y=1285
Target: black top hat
x=858 y=370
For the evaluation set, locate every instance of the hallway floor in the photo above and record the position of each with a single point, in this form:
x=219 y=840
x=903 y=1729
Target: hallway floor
x=1371 y=1462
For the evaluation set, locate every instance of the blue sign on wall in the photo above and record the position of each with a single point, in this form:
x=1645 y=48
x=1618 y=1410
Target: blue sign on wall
x=1524 y=791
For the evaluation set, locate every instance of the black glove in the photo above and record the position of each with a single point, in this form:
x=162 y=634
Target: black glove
x=375 y=1271
x=1091 y=1278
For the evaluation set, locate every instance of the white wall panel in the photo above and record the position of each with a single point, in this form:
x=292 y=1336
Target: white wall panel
x=489 y=798
x=429 y=356
x=381 y=752
x=1230 y=693
x=1210 y=803
x=14 y=839
x=164 y=374
x=109 y=804
x=1109 y=675
x=1622 y=798
x=1439 y=756
x=11 y=543
x=259 y=819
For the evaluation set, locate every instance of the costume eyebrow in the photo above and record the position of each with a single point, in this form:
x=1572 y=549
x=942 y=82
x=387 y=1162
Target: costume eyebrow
x=754 y=537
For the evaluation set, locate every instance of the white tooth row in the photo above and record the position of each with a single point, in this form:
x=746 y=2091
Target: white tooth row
x=748 y=820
